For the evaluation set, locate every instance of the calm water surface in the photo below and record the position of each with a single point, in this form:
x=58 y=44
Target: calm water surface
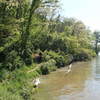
x=82 y=83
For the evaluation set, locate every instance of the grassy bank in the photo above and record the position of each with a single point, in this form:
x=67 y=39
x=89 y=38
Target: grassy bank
x=17 y=84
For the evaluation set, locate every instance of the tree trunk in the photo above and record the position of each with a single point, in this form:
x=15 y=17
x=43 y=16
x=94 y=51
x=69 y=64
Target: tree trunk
x=25 y=34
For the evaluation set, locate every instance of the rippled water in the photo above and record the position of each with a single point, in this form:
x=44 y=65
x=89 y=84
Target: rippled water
x=82 y=83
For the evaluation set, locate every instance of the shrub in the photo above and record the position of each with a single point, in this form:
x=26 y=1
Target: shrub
x=13 y=61
x=61 y=59
x=26 y=56
x=83 y=54
x=48 y=66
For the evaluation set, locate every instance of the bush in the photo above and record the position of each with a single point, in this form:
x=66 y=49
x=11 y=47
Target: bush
x=26 y=55
x=61 y=59
x=48 y=66
x=83 y=54
x=13 y=61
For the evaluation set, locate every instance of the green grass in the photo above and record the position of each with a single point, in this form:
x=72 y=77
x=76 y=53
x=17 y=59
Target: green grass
x=17 y=85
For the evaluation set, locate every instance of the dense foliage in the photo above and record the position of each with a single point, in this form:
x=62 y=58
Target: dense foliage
x=34 y=35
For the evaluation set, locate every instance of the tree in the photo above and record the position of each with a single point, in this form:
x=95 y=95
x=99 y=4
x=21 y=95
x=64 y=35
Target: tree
x=97 y=34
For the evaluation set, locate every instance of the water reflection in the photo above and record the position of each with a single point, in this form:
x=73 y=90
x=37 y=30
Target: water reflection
x=82 y=83
x=97 y=69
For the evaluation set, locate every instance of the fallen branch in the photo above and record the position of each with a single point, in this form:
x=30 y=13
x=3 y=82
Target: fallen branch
x=34 y=68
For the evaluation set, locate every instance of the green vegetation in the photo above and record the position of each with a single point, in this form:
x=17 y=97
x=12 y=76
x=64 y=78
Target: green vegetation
x=34 y=41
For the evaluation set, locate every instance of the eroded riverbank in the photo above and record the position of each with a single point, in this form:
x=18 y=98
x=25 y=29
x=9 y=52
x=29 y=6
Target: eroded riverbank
x=82 y=83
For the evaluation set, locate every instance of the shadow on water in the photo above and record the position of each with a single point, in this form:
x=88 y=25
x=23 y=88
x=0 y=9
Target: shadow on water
x=82 y=83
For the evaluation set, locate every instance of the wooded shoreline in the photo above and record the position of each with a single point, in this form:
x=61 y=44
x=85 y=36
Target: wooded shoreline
x=33 y=34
